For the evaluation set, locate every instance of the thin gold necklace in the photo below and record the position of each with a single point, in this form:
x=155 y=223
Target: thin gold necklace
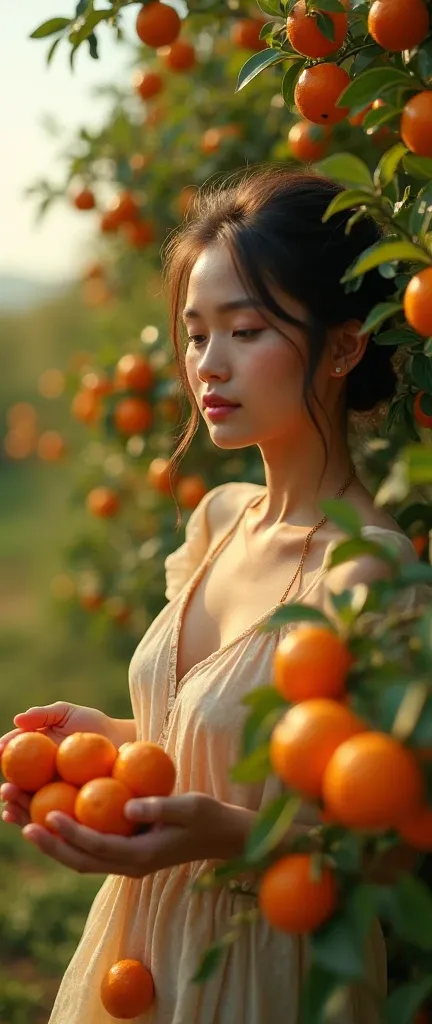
x=311 y=533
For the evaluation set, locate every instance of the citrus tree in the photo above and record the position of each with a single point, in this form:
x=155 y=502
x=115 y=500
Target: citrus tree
x=346 y=86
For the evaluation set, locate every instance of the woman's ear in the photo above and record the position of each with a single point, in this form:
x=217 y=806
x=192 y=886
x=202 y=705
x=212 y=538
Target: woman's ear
x=347 y=346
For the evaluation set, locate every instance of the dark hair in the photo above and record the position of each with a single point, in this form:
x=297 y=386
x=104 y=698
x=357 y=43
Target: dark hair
x=271 y=221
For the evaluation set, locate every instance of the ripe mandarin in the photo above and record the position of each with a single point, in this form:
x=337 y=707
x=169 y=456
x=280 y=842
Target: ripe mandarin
x=317 y=92
x=421 y=417
x=312 y=661
x=56 y=796
x=372 y=781
x=127 y=990
x=418 y=302
x=132 y=416
x=84 y=756
x=305 y=739
x=145 y=768
x=416 y=829
x=157 y=24
x=100 y=805
x=292 y=900
x=416 y=124
x=305 y=35
x=303 y=144
x=398 y=24
x=29 y=761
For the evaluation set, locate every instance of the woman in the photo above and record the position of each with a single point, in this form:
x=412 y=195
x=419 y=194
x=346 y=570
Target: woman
x=270 y=349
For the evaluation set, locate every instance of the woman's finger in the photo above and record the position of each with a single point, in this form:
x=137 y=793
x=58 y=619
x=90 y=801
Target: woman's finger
x=43 y=717
x=14 y=815
x=12 y=794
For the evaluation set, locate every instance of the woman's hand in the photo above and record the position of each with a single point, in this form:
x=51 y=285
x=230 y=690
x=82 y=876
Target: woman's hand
x=56 y=721
x=184 y=828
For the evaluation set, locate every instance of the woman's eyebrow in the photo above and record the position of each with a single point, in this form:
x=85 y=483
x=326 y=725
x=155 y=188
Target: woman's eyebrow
x=226 y=307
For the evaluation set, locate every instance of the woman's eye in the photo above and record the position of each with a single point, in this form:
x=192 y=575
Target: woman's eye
x=196 y=338
x=247 y=334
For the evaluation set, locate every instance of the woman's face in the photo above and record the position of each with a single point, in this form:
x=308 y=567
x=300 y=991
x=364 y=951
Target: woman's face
x=236 y=353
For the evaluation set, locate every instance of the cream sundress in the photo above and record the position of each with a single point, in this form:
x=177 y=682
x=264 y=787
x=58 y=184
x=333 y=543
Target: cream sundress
x=158 y=919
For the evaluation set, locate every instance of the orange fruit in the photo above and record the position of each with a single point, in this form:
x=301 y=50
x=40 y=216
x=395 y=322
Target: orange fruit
x=147 y=84
x=29 y=761
x=169 y=408
x=127 y=990
x=211 y=140
x=103 y=502
x=305 y=739
x=140 y=234
x=100 y=805
x=422 y=418
x=133 y=373
x=372 y=781
x=91 y=600
x=109 y=222
x=245 y=33
x=84 y=200
x=418 y=302
x=357 y=119
x=85 y=406
x=416 y=124
x=98 y=383
x=133 y=416
x=56 y=796
x=50 y=446
x=124 y=208
x=292 y=900
x=157 y=24
x=138 y=162
x=317 y=91
x=190 y=491
x=421 y=540
x=145 y=768
x=416 y=829
x=398 y=24
x=312 y=661
x=305 y=35
x=303 y=146
x=158 y=476
x=180 y=57
x=85 y=755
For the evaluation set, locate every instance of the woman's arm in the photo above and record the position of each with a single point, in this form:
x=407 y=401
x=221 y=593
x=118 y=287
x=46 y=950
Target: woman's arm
x=124 y=730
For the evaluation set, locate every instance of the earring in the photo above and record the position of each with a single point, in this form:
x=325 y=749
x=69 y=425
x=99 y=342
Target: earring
x=338 y=369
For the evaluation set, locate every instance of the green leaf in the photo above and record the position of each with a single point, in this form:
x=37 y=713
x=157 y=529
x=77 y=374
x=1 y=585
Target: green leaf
x=325 y=26
x=213 y=957
x=271 y=7
x=384 y=252
x=49 y=28
x=256 y=64
x=271 y=826
x=259 y=727
x=343 y=514
x=346 y=169
x=414 y=573
x=266 y=698
x=388 y=165
x=377 y=316
x=412 y=911
x=318 y=988
x=421 y=372
x=334 y=6
x=403 y=1003
x=253 y=768
x=289 y=82
x=52 y=50
x=347 y=201
x=288 y=613
x=418 y=460
x=339 y=946
x=372 y=85
x=421 y=212
x=350 y=549
x=347 y=853
x=400 y=336
x=418 y=166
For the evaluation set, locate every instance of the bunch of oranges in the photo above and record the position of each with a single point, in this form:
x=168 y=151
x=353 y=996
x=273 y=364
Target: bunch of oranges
x=363 y=778
x=91 y=780
x=86 y=777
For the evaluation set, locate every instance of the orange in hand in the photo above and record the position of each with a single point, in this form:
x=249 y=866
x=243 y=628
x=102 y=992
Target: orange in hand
x=29 y=761
x=145 y=768
x=292 y=900
x=127 y=989
x=312 y=661
x=100 y=805
x=56 y=796
x=84 y=756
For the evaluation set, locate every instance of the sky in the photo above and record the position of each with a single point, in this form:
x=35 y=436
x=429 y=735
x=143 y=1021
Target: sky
x=58 y=247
